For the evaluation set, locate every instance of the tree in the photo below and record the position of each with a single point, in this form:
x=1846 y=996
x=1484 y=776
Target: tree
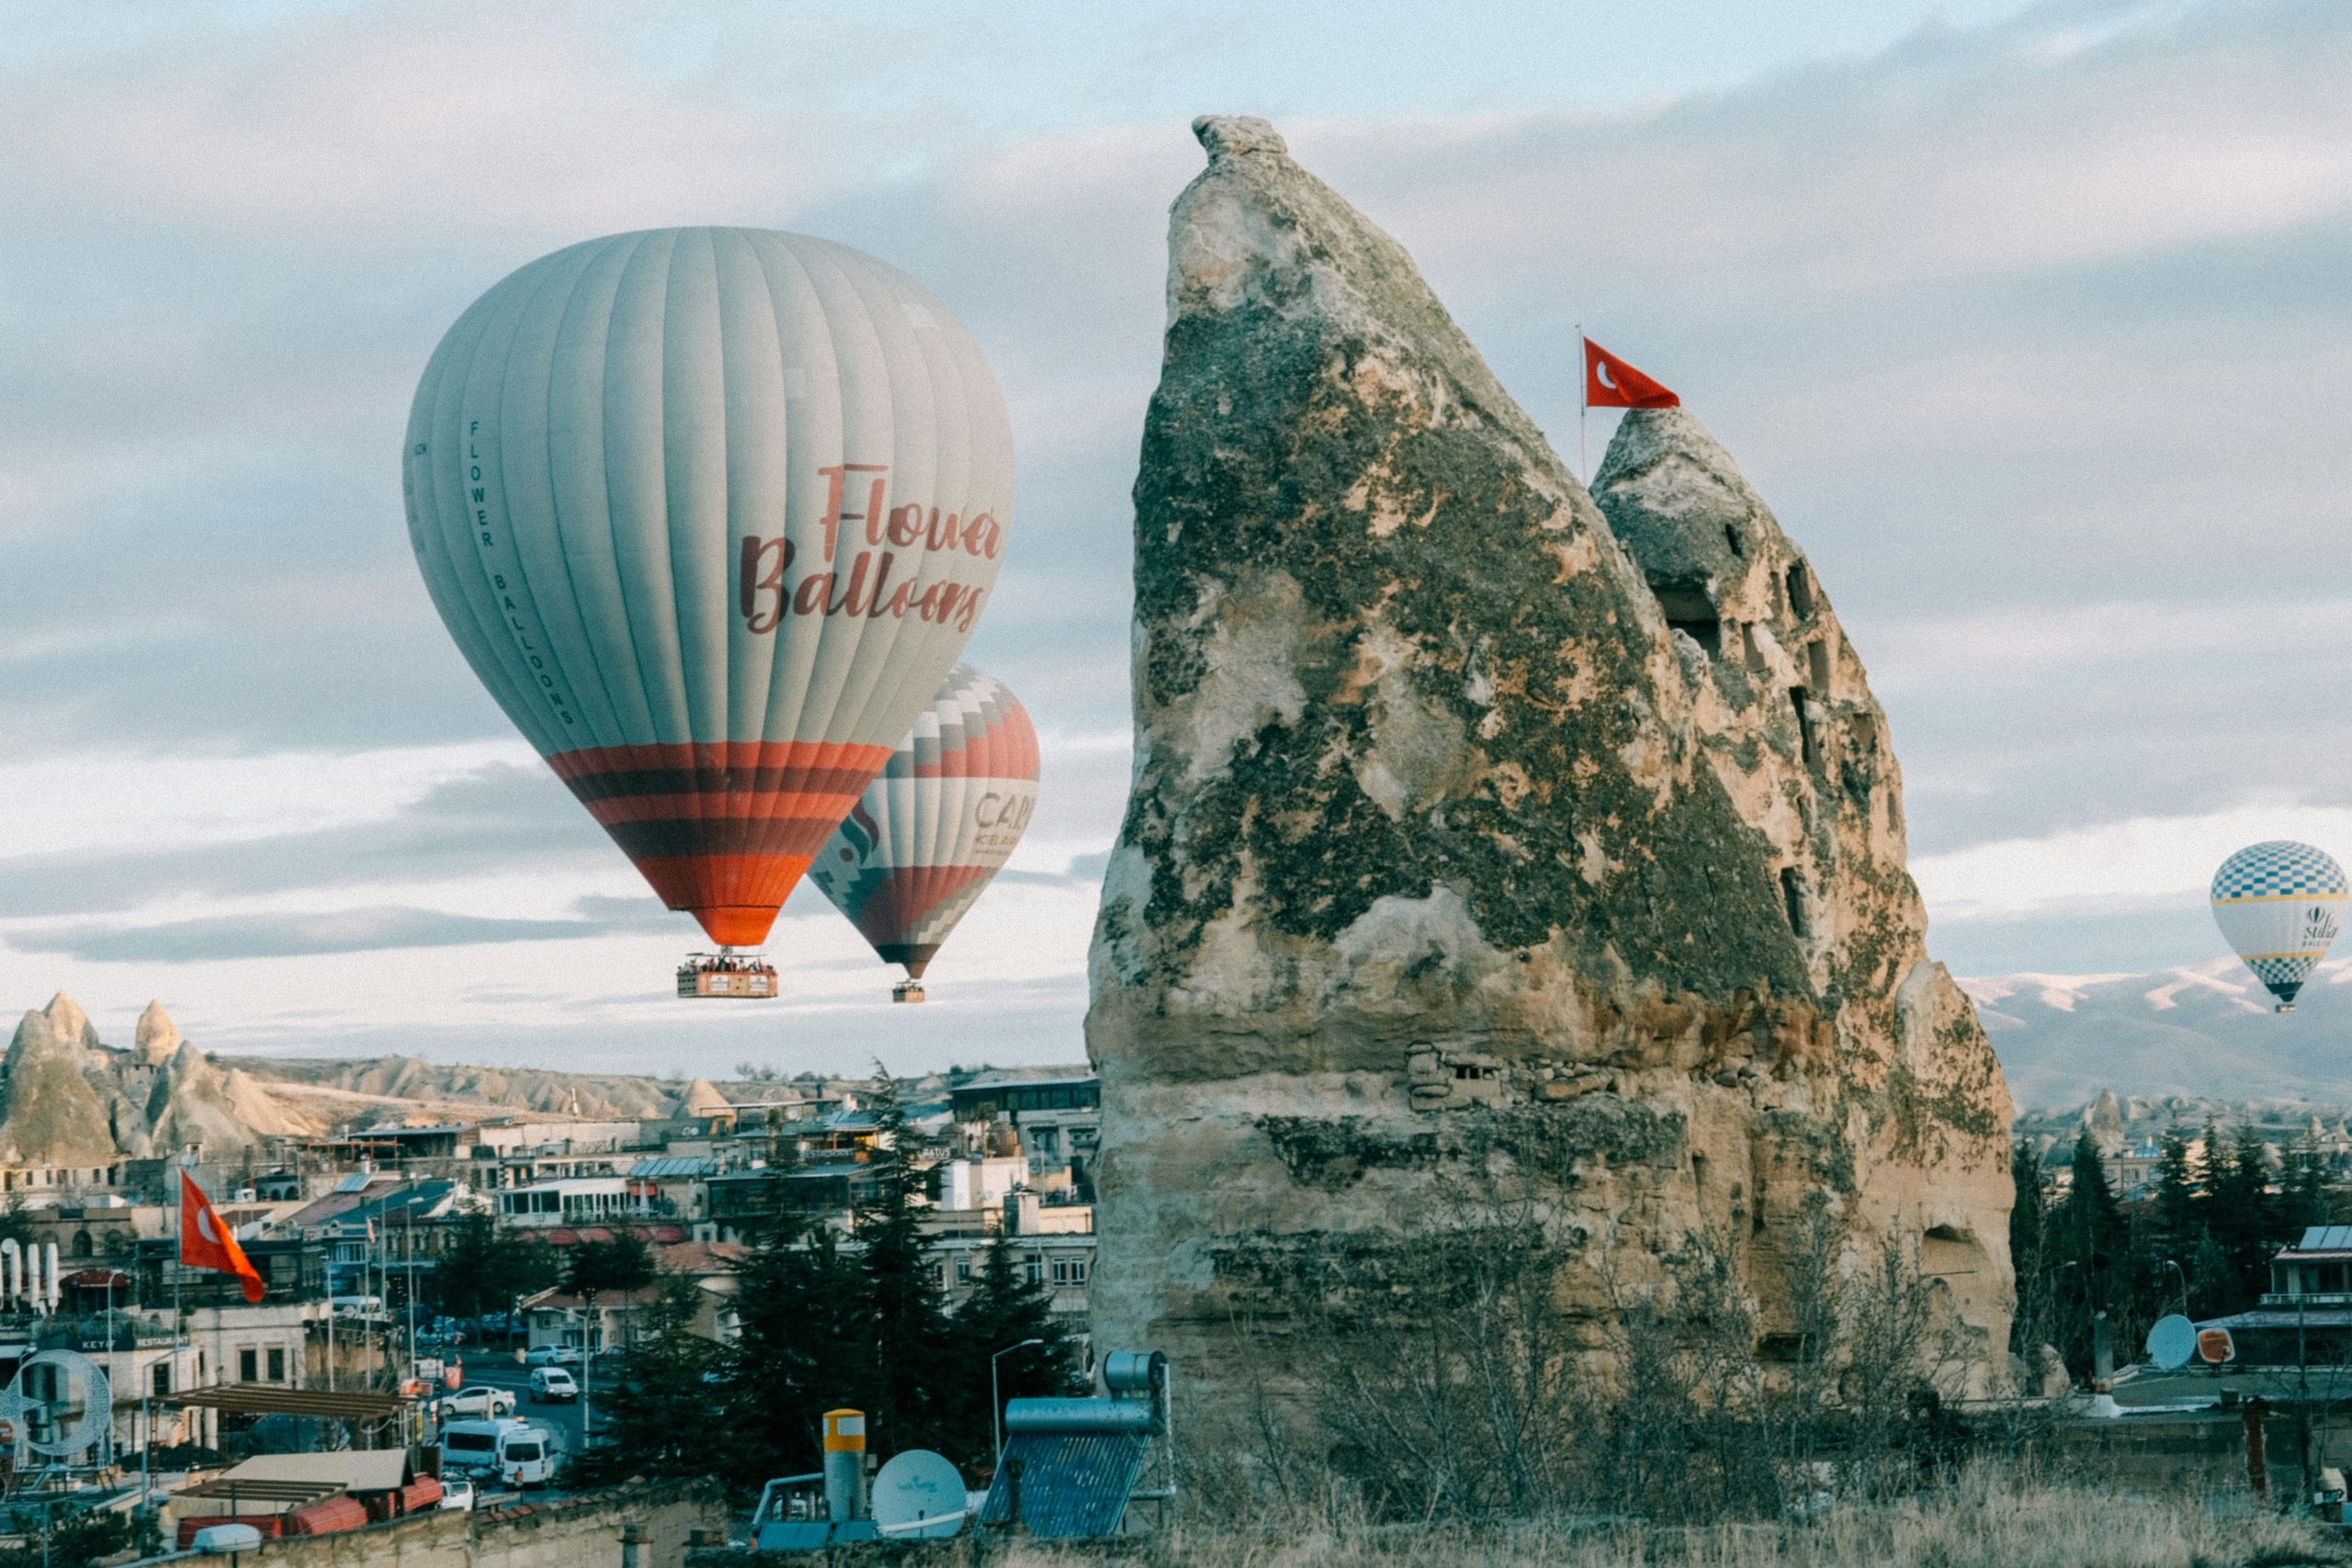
x=911 y=1372
x=2177 y=1198
x=659 y=1408
x=600 y=1268
x=2303 y=1203
x=2029 y=1252
x=801 y=1350
x=1007 y=1307
x=2244 y=1222
x=485 y=1269
x=2093 y=1253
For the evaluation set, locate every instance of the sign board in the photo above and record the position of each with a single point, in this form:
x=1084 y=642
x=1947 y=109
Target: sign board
x=2214 y=1345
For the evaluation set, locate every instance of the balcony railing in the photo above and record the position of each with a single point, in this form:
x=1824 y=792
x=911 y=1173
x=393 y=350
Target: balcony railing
x=2289 y=1300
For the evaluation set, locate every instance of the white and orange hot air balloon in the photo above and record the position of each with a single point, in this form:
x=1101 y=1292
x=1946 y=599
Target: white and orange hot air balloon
x=711 y=513
x=924 y=841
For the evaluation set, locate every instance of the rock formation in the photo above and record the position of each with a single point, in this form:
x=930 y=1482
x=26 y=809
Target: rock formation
x=157 y=1039
x=191 y=1108
x=703 y=1098
x=53 y=1117
x=1475 y=829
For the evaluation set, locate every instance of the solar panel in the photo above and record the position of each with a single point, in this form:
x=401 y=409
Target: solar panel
x=356 y=1182
x=1072 y=1484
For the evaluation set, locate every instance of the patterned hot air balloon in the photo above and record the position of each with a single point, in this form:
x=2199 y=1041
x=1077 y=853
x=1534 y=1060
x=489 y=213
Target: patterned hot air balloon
x=711 y=512
x=2280 y=904
x=925 y=840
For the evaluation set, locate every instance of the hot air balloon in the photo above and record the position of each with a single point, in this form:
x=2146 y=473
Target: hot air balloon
x=2280 y=904
x=924 y=841
x=711 y=513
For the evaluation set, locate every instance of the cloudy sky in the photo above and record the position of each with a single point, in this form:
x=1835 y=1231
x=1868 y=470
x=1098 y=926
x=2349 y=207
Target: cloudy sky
x=2030 y=320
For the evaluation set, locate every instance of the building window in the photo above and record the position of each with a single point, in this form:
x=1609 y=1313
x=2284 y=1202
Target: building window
x=963 y=1270
x=276 y=1364
x=1033 y=1271
x=249 y=1366
x=1069 y=1270
x=159 y=1379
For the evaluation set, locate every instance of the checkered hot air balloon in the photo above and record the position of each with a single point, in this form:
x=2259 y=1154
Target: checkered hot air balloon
x=2279 y=904
x=710 y=511
x=924 y=841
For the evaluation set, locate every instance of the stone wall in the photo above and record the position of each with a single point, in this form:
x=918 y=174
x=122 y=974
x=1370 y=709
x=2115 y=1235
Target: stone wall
x=582 y=1532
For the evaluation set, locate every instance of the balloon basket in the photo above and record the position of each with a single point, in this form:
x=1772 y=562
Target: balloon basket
x=907 y=991
x=727 y=976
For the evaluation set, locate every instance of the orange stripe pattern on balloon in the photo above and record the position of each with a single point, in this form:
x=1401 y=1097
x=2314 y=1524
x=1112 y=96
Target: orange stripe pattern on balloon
x=925 y=840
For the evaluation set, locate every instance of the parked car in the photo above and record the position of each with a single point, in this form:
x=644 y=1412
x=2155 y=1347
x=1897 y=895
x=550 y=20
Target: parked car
x=553 y=1385
x=457 y=1492
x=479 y=1401
x=508 y=1452
x=552 y=1356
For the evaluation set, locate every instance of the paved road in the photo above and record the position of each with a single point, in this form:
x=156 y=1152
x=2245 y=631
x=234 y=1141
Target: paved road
x=501 y=1371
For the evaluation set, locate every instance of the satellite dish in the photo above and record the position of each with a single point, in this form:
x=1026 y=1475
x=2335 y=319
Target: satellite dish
x=918 y=1496
x=2214 y=1345
x=2171 y=1342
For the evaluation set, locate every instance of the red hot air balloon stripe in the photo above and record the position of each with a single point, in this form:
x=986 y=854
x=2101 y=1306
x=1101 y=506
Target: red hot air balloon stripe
x=723 y=829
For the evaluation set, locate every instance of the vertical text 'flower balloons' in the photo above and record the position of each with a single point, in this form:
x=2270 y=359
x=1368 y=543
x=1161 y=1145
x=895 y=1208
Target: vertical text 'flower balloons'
x=711 y=513
x=2279 y=904
x=924 y=841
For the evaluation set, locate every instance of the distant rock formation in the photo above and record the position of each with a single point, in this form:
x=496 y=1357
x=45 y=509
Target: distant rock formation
x=52 y=1116
x=520 y=1089
x=191 y=1108
x=157 y=1040
x=703 y=1098
x=1475 y=830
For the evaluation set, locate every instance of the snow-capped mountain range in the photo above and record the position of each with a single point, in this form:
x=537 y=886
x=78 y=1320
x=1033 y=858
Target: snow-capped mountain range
x=2201 y=1030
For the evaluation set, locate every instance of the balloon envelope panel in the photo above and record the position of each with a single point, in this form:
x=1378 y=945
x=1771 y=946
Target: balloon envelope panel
x=710 y=511
x=2280 y=905
x=926 y=838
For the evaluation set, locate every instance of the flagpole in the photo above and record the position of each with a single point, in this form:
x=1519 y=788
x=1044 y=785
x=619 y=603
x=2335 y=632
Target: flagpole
x=1584 y=459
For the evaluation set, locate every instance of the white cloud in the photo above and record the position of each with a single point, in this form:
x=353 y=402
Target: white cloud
x=129 y=800
x=2112 y=866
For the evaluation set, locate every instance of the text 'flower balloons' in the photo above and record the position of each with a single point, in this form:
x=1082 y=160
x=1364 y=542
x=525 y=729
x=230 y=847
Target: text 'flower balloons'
x=711 y=513
x=922 y=842
x=2279 y=904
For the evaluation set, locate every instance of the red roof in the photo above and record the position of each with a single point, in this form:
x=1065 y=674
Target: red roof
x=665 y=1235
x=563 y=1239
x=595 y=1233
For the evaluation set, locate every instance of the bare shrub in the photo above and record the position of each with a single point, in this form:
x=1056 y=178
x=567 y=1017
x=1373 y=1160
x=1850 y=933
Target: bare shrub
x=1437 y=1376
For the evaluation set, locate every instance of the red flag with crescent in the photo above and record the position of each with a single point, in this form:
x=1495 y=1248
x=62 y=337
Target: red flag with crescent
x=206 y=1241
x=1610 y=383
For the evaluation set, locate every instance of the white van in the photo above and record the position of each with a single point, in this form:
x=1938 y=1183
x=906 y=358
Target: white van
x=509 y=1451
x=553 y=1385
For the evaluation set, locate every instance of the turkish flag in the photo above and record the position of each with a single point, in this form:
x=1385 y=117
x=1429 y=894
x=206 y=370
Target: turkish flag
x=206 y=1241
x=1610 y=383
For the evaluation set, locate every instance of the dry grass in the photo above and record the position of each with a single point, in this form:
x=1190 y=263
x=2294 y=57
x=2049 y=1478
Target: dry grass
x=1988 y=1522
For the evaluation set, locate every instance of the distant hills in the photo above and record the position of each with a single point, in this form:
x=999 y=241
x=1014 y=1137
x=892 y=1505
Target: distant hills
x=2199 y=1031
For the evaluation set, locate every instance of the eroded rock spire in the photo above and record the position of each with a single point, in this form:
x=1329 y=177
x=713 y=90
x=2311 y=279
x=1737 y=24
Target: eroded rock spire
x=1450 y=845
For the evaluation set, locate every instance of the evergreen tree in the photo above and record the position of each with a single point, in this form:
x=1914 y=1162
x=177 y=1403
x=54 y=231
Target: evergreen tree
x=2094 y=1255
x=2244 y=1223
x=2303 y=1203
x=656 y=1411
x=2029 y=1251
x=910 y=1376
x=2177 y=1198
x=1006 y=1308
x=802 y=1347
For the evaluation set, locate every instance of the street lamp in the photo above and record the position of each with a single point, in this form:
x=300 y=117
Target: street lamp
x=996 y=1405
x=2174 y=1265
